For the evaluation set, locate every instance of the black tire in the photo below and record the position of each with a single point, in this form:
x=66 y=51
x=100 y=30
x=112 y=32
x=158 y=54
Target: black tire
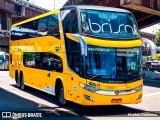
x=22 y=86
x=60 y=95
x=18 y=82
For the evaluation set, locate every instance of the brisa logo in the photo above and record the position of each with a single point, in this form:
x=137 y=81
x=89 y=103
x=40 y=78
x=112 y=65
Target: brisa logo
x=100 y=28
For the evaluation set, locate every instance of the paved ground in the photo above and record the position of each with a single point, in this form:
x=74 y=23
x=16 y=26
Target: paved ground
x=14 y=100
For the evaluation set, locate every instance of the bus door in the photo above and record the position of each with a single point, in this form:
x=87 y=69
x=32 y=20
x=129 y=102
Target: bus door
x=74 y=79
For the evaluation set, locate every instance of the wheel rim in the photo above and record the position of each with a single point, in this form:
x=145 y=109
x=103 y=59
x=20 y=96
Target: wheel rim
x=61 y=96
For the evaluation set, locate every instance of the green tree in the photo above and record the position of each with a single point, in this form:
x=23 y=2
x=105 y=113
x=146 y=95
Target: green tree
x=157 y=57
x=158 y=38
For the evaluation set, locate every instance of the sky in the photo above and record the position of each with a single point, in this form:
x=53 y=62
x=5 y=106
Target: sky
x=152 y=29
x=49 y=4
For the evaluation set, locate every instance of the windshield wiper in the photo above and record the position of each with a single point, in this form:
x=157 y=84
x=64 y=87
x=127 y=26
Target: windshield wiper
x=98 y=75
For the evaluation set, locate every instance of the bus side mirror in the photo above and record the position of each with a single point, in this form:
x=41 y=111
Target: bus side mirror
x=83 y=44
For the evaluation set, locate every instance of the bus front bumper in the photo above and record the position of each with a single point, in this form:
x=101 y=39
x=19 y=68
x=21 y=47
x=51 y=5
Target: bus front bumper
x=97 y=99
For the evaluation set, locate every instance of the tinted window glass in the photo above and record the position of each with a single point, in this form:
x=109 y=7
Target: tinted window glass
x=42 y=26
x=47 y=26
x=96 y=63
x=58 y=65
x=109 y=24
x=53 y=26
x=73 y=55
x=43 y=60
x=112 y=65
x=69 y=21
x=29 y=59
x=27 y=30
x=16 y=34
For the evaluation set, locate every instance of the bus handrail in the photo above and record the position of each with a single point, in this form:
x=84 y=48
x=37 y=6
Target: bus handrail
x=83 y=44
x=153 y=47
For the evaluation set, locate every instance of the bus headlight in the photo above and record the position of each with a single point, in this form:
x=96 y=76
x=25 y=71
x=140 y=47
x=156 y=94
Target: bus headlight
x=88 y=88
x=138 y=88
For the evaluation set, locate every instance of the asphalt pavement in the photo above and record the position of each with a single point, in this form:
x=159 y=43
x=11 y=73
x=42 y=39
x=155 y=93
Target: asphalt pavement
x=33 y=102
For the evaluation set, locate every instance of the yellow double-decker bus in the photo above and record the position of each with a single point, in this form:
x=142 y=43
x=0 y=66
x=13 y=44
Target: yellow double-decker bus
x=85 y=54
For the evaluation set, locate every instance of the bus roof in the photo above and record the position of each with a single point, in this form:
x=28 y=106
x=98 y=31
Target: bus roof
x=35 y=18
x=92 y=7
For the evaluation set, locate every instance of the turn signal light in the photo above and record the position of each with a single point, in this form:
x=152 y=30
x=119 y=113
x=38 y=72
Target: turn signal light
x=139 y=96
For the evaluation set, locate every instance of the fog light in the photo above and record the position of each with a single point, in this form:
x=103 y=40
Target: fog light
x=139 y=96
x=88 y=97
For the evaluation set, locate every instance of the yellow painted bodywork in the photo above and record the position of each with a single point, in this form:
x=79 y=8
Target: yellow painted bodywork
x=113 y=43
x=38 y=78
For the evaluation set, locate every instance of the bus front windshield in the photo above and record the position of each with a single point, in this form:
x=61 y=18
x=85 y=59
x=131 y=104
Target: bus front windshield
x=111 y=65
x=108 y=24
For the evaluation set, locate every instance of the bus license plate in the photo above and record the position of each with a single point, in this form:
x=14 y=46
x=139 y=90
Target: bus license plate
x=116 y=100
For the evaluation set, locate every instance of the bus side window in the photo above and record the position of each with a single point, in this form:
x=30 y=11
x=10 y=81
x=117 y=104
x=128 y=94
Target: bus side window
x=58 y=64
x=26 y=58
x=42 y=26
x=76 y=61
x=73 y=55
x=53 y=26
x=38 y=60
x=29 y=59
x=29 y=30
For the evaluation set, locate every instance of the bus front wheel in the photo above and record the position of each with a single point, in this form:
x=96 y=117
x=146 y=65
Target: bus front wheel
x=60 y=95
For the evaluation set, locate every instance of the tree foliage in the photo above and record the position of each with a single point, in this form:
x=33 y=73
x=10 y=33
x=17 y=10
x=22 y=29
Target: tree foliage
x=157 y=57
x=158 y=38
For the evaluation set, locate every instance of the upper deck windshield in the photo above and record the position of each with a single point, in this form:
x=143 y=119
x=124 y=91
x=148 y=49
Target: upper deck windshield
x=107 y=24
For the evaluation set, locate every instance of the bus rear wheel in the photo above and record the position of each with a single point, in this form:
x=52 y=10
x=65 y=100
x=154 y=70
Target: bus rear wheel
x=22 y=85
x=18 y=82
x=60 y=95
